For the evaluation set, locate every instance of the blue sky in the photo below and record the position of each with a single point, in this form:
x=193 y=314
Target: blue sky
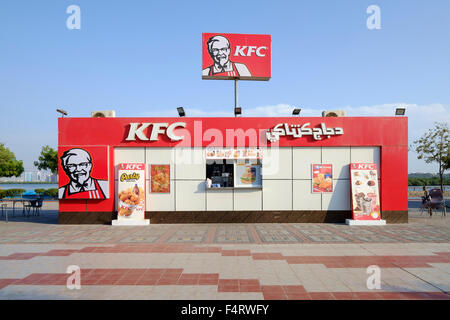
x=143 y=58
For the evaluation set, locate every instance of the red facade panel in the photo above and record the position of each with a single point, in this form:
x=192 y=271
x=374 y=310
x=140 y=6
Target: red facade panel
x=388 y=133
x=394 y=178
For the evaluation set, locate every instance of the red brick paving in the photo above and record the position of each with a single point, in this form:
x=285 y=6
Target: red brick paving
x=152 y=277
x=328 y=261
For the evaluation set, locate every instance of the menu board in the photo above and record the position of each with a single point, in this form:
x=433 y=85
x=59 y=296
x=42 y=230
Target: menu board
x=233 y=153
x=131 y=191
x=160 y=178
x=247 y=174
x=365 y=191
x=322 y=178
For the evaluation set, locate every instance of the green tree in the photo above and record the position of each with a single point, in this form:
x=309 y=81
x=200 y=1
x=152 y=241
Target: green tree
x=9 y=165
x=48 y=160
x=433 y=146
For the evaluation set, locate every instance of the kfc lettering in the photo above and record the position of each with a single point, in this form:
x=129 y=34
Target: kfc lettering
x=157 y=129
x=363 y=166
x=131 y=166
x=240 y=51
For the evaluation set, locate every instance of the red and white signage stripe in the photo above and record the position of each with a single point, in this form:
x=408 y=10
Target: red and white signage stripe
x=94 y=194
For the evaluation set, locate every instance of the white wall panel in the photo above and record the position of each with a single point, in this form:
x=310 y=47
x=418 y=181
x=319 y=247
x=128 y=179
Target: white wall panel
x=190 y=163
x=128 y=155
x=277 y=194
x=303 y=198
x=246 y=200
x=302 y=160
x=160 y=156
x=219 y=200
x=366 y=154
x=190 y=195
x=277 y=163
x=160 y=201
x=340 y=198
x=340 y=159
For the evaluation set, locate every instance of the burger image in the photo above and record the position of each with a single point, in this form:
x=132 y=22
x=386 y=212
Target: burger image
x=249 y=176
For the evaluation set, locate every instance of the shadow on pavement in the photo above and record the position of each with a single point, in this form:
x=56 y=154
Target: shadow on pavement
x=45 y=217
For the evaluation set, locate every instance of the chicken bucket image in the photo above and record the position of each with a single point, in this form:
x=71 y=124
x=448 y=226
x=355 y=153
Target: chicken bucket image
x=131 y=191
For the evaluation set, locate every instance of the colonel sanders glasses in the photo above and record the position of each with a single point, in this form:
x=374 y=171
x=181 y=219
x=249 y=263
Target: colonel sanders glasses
x=73 y=167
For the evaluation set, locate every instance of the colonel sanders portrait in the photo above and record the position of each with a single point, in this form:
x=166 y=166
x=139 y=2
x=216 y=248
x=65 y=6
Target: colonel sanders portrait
x=77 y=164
x=219 y=49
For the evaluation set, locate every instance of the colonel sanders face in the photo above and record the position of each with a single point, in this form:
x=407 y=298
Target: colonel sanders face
x=219 y=49
x=77 y=164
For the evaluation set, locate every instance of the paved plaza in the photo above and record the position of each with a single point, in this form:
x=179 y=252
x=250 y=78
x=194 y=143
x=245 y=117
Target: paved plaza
x=224 y=261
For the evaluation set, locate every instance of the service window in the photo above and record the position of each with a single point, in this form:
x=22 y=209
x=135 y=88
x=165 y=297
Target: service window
x=233 y=168
x=220 y=173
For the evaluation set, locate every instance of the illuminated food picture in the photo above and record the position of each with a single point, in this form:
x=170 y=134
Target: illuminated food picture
x=129 y=199
x=321 y=182
x=160 y=181
x=249 y=176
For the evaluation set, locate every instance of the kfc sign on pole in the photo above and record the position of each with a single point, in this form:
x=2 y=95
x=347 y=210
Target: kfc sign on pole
x=236 y=56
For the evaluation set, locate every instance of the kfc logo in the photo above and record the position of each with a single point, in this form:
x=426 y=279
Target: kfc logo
x=236 y=56
x=219 y=49
x=77 y=164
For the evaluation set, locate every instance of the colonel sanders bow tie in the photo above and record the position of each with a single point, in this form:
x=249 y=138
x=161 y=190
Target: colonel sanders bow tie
x=82 y=186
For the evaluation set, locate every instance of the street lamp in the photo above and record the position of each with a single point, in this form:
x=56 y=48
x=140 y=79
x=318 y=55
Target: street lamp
x=237 y=111
x=296 y=111
x=400 y=111
x=181 y=112
x=63 y=112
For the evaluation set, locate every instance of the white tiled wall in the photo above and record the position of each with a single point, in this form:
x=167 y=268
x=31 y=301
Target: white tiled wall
x=340 y=198
x=277 y=194
x=302 y=160
x=277 y=163
x=160 y=156
x=247 y=199
x=366 y=154
x=160 y=201
x=286 y=179
x=190 y=195
x=303 y=198
x=218 y=200
x=190 y=163
x=340 y=159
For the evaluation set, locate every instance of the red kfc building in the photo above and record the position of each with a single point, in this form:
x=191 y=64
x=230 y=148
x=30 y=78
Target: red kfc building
x=233 y=170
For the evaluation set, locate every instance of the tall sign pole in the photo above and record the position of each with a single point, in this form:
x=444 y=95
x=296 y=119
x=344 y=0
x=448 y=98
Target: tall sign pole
x=228 y=56
x=236 y=93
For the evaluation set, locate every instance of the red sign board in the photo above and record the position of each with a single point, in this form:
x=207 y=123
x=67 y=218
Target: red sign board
x=83 y=172
x=236 y=56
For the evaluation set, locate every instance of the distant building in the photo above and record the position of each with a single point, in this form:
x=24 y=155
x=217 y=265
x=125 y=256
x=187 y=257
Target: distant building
x=28 y=176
